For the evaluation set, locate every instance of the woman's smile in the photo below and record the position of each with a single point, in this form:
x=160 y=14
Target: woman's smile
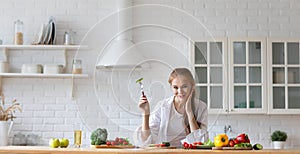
x=181 y=87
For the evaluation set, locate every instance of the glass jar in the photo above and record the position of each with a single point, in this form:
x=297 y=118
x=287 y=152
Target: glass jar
x=69 y=37
x=18 y=39
x=77 y=67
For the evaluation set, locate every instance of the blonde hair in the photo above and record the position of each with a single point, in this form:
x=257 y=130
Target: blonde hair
x=181 y=71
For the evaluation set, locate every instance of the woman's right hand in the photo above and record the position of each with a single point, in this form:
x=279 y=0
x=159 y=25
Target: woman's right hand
x=144 y=105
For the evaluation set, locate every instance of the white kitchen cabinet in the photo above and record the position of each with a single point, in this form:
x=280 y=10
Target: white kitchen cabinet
x=209 y=59
x=284 y=76
x=64 y=48
x=247 y=76
x=231 y=75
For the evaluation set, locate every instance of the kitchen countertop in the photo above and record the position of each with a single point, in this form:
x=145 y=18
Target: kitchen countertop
x=48 y=150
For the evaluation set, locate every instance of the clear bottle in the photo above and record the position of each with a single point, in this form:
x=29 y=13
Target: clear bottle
x=18 y=39
x=77 y=67
x=77 y=134
x=77 y=138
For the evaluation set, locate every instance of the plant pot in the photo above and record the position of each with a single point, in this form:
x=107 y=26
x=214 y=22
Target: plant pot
x=5 y=129
x=278 y=144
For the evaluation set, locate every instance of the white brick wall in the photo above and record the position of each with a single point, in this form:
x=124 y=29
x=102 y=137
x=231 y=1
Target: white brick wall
x=48 y=110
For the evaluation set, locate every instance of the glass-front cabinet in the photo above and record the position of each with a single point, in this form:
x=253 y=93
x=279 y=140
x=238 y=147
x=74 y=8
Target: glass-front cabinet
x=284 y=73
x=247 y=77
x=231 y=75
x=209 y=60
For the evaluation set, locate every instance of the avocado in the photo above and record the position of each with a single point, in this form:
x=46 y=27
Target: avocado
x=257 y=146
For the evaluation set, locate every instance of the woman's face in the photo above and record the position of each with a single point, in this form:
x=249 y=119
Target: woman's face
x=181 y=88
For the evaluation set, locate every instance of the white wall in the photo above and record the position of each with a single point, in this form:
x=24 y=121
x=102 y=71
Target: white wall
x=108 y=99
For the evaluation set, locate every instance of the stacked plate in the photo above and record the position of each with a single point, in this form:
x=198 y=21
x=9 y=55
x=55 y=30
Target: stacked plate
x=47 y=33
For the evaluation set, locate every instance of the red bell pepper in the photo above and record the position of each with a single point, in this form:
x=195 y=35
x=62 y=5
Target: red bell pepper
x=247 y=140
x=235 y=141
x=243 y=138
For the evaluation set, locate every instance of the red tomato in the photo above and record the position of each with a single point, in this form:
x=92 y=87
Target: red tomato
x=231 y=143
x=191 y=146
x=121 y=141
x=108 y=143
x=113 y=143
x=185 y=145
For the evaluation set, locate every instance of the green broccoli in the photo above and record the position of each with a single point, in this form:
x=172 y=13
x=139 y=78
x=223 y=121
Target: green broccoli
x=99 y=136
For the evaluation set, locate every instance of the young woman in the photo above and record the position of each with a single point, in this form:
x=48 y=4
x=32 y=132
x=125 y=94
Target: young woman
x=180 y=118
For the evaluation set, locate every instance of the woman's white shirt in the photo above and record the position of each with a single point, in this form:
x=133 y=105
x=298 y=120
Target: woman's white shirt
x=176 y=127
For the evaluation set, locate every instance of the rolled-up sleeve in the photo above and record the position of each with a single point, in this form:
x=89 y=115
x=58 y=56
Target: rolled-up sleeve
x=154 y=124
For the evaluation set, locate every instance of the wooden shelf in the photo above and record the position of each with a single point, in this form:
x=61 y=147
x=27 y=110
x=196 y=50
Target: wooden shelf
x=52 y=47
x=43 y=75
x=62 y=48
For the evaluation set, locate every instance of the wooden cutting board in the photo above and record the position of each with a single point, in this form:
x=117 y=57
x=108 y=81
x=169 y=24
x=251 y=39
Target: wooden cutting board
x=203 y=147
x=114 y=146
x=232 y=148
x=159 y=147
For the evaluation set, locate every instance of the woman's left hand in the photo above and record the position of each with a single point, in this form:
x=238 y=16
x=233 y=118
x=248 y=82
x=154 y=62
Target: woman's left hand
x=188 y=104
x=190 y=114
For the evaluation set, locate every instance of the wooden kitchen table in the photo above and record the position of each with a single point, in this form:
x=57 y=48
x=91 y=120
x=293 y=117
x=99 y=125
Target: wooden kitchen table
x=47 y=150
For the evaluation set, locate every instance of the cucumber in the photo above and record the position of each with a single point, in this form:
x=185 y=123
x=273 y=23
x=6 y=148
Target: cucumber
x=257 y=146
x=151 y=145
x=167 y=144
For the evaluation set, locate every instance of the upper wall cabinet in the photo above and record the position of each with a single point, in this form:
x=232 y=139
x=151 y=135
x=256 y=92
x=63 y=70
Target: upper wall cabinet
x=247 y=76
x=209 y=63
x=284 y=76
x=231 y=75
